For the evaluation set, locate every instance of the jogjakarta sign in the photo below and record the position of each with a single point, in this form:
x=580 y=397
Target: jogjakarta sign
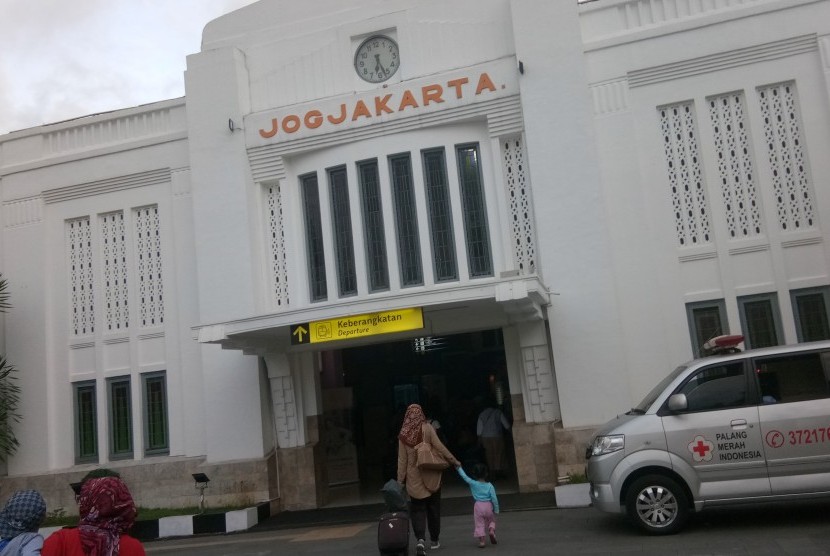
x=411 y=98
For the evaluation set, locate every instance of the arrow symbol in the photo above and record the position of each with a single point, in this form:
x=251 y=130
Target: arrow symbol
x=299 y=332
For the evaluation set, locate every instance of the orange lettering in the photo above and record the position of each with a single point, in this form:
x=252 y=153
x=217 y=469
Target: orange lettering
x=360 y=109
x=483 y=83
x=339 y=119
x=313 y=119
x=291 y=123
x=380 y=105
x=407 y=100
x=272 y=132
x=432 y=93
x=456 y=84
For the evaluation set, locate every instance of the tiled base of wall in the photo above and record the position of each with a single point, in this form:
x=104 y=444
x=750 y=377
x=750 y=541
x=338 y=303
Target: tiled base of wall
x=546 y=451
x=570 y=449
x=163 y=483
x=535 y=451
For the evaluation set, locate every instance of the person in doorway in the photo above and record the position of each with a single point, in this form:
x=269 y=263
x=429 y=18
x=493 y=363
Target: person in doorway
x=486 y=503
x=107 y=513
x=490 y=428
x=422 y=485
x=20 y=520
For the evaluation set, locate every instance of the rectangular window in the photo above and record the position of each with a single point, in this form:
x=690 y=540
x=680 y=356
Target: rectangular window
x=341 y=220
x=793 y=378
x=760 y=320
x=440 y=215
x=474 y=210
x=406 y=220
x=716 y=387
x=121 y=418
x=707 y=319
x=86 y=423
x=314 y=238
x=376 y=263
x=810 y=313
x=155 y=414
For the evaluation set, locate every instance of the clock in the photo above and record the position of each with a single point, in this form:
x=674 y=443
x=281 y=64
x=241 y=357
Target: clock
x=377 y=59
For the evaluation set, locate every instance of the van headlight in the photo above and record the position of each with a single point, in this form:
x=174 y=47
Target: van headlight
x=607 y=444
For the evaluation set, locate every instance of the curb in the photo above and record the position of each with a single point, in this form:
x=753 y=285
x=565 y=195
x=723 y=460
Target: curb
x=197 y=524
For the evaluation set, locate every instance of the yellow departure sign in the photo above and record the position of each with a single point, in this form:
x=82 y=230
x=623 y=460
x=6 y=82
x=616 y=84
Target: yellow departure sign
x=357 y=326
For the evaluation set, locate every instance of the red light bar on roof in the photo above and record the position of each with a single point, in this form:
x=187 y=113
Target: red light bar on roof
x=723 y=344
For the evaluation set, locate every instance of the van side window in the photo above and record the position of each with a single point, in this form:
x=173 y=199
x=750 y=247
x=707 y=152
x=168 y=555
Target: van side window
x=794 y=378
x=716 y=387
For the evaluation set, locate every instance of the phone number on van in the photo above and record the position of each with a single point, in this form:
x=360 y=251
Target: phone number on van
x=809 y=436
x=775 y=439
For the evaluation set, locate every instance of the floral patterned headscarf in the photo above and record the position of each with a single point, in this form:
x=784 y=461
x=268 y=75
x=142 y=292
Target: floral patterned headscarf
x=24 y=512
x=412 y=422
x=107 y=511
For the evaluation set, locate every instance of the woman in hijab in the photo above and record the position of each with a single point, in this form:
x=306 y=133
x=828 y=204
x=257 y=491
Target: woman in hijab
x=107 y=513
x=422 y=485
x=19 y=522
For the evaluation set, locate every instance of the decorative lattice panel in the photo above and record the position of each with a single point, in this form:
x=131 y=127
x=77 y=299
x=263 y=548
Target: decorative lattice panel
x=149 y=276
x=517 y=182
x=787 y=157
x=79 y=245
x=285 y=411
x=276 y=231
x=735 y=166
x=688 y=192
x=114 y=270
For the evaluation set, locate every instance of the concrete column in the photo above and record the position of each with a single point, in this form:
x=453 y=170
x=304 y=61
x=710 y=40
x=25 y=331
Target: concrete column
x=295 y=399
x=535 y=405
x=574 y=247
x=532 y=371
x=288 y=426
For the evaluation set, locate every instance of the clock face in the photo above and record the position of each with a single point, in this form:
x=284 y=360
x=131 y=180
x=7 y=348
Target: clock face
x=376 y=59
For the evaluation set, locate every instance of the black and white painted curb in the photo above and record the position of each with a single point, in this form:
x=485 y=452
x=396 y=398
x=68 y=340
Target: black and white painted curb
x=188 y=525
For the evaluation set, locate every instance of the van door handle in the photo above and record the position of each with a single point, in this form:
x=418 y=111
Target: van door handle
x=738 y=423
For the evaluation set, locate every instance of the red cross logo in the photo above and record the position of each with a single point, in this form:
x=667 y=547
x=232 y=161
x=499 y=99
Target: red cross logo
x=701 y=449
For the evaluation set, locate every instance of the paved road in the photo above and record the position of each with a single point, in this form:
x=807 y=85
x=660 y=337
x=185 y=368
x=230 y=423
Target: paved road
x=797 y=529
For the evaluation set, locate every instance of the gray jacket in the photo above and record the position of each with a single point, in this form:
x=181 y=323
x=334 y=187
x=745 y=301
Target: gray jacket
x=24 y=544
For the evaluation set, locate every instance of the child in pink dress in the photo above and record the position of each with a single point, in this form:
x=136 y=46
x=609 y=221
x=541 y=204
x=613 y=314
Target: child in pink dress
x=487 y=504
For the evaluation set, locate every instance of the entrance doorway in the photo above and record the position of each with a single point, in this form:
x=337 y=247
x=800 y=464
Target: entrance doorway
x=366 y=390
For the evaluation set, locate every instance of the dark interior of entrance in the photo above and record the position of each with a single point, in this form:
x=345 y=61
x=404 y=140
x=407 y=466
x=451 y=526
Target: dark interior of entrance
x=366 y=390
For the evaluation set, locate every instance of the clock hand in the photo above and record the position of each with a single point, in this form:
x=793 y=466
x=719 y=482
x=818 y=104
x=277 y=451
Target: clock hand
x=378 y=67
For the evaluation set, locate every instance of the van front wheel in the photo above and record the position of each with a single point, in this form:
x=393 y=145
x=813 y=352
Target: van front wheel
x=657 y=505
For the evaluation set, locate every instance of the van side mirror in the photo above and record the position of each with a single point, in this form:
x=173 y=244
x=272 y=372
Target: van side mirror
x=678 y=402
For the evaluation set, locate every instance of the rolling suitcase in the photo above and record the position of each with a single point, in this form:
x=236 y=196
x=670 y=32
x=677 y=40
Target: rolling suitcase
x=393 y=534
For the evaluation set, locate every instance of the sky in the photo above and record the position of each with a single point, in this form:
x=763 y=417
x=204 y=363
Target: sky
x=62 y=59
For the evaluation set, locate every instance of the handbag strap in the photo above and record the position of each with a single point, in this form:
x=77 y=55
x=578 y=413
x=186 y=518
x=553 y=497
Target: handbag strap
x=423 y=435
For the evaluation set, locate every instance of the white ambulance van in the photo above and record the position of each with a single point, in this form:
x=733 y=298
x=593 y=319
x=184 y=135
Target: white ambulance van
x=730 y=428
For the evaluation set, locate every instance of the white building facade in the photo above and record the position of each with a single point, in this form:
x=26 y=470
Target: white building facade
x=583 y=193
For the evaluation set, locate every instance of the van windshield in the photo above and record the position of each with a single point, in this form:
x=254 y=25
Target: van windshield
x=643 y=406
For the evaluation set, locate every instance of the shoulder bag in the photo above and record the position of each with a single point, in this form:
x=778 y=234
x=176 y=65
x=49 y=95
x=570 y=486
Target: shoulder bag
x=428 y=458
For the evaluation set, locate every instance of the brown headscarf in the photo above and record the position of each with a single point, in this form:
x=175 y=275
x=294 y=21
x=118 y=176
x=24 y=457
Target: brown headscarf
x=107 y=511
x=412 y=422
